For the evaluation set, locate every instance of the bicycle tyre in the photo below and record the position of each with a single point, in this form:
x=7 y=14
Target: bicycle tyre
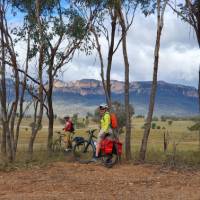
x=111 y=159
x=83 y=152
x=56 y=146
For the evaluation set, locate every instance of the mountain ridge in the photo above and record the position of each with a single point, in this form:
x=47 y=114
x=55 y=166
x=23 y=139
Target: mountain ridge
x=92 y=86
x=82 y=96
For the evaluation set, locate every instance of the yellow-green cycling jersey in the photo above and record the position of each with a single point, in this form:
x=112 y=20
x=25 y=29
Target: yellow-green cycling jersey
x=105 y=122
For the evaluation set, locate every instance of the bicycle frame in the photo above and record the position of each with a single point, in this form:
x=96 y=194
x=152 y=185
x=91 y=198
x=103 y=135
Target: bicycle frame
x=90 y=140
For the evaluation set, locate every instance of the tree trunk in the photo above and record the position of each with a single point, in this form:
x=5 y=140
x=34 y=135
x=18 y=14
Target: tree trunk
x=199 y=105
x=143 y=147
x=30 y=146
x=110 y=56
x=51 y=121
x=3 y=89
x=126 y=92
x=21 y=103
x=98 y=47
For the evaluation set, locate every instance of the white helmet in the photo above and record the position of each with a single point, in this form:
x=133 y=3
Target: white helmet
x=103 y=106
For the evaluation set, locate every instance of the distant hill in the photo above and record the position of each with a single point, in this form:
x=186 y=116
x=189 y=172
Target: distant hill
x=85 y=95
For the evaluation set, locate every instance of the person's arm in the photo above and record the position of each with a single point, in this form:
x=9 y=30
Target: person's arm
x=66 y=126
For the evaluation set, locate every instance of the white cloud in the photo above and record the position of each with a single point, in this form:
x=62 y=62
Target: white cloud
x=179 y=54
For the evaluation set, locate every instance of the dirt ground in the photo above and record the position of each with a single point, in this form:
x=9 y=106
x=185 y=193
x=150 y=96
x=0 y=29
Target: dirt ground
x=75 y=181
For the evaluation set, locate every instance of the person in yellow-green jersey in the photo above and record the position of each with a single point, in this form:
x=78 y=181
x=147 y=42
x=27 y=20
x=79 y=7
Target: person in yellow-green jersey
x=105 y=127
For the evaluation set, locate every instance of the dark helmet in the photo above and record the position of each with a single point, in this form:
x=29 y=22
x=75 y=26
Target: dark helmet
x=66 y=117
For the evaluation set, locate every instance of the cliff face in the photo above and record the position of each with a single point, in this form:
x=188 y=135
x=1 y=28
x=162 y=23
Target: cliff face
x=91 y=87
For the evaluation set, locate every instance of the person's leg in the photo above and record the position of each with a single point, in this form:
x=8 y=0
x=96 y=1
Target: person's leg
x=70 y=141
x=98 y=146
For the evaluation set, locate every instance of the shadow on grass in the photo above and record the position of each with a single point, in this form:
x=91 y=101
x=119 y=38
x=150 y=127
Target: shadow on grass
x=40 y=159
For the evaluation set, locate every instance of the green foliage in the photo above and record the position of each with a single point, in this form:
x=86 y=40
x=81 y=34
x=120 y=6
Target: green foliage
x=119 y=110
x=153 y=125
x=58 y=21
x=75 y=119
x=158 y=127
x=139 y=116
x=195 y=127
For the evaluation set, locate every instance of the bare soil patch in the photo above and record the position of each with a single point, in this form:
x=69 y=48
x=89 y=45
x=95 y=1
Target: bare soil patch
x=77 y=181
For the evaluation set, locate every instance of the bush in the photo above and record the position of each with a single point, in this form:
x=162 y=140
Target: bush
x=119 y=110
x=153 y=125
x=140 y=116
x=170 y=122
x=158 y=127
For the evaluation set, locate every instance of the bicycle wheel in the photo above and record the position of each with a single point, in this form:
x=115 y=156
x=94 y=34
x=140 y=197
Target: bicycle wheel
x=56 y=146
x=108 y=160
x=83 y=152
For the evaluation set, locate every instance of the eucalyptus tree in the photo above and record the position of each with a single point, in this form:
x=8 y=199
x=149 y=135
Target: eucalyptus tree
x=10 y=105
x=125 y=11
x=63 y=32
x=115 y=16
x=161 y=5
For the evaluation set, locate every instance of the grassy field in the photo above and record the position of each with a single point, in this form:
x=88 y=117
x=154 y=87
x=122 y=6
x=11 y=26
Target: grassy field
x=186 y=142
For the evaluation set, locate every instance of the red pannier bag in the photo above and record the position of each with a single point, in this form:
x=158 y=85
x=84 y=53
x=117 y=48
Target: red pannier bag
x=107 y=146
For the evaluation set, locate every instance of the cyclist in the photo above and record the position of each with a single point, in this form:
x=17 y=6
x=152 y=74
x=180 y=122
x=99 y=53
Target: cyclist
x=69 y=130
x=105 y=127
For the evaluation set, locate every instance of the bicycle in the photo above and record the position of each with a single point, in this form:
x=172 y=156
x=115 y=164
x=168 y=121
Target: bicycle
x=84 y=150
x=59 y=143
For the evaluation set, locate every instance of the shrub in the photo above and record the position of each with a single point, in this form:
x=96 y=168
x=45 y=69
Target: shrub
x=153 y=125
x=158 y=127
x=170 y=122
x=140 y=116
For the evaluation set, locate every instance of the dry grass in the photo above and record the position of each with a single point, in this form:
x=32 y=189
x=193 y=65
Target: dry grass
x=187 y=147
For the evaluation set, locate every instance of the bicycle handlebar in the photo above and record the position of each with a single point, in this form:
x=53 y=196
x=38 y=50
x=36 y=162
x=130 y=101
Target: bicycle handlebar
x=91 y=132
